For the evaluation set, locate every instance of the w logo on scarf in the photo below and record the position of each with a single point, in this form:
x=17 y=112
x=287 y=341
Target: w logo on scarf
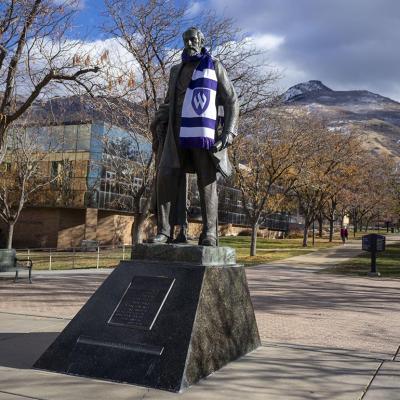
x=199 y=110
x=200 y=100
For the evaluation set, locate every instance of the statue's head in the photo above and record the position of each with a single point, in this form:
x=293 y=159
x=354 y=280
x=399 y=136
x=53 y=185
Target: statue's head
x=193 y=40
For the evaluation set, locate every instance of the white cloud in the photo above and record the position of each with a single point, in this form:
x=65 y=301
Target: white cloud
x=195 y=8
x=346 y=44
x=117 y=66
x=268 y=41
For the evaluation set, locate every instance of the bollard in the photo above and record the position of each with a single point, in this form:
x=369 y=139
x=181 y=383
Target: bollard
x=373 y=271
x=98 y=257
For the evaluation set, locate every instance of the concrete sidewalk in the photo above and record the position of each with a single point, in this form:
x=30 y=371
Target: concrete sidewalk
x=324 y=336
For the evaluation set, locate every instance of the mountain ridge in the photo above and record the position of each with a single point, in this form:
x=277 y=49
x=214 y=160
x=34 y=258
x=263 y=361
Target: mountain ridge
x=375 y=116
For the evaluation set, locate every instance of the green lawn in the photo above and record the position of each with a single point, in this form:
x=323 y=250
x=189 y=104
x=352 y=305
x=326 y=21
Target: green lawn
x=271 y=249
x=387 y=262
x=359 y=235
x=244 y=241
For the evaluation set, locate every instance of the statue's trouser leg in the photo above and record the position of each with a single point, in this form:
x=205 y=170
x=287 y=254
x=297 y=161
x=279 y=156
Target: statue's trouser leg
x=168 y=193
x=180 y=216
x=179 y=211
x=207 y=185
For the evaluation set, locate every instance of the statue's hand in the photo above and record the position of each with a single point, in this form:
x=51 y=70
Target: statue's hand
x=223 y=142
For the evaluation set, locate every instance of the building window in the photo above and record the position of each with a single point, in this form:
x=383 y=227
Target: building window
x=56 y=168
x=110 y=175
x=83 y=138
x=61 y=169
x=70 y=137
x=137 y=182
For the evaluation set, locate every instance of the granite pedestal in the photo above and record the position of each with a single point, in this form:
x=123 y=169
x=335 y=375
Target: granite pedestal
x=167 y=318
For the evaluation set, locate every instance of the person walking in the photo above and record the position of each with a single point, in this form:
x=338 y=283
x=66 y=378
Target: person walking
x=343 y=231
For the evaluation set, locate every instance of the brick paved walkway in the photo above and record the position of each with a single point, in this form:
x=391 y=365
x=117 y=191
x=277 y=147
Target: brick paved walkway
x=324 y=336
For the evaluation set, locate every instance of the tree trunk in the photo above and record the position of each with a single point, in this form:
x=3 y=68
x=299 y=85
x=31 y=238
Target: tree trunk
x=305 y=233
x=137 y=228
x=320 y=220
x=253 y=246
x=331 y=221
x=140 y=216
x=3 y=132
x=10 y=235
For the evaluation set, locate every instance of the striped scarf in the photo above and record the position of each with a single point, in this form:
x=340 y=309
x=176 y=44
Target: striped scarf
x=199 y=111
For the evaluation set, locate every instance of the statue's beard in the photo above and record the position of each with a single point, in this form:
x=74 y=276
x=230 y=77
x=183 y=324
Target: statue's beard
x=190 y=55
x=192 y=51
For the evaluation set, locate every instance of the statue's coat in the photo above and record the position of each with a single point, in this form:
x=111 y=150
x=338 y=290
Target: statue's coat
x=226 y=97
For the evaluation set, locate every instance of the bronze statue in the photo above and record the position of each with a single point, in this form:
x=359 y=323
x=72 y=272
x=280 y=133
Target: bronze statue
x=188 y=140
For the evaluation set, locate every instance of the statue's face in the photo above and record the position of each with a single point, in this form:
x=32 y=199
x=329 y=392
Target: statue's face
x=192 y=42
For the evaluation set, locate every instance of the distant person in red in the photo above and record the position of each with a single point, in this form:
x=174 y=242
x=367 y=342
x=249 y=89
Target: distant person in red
x=344 y=234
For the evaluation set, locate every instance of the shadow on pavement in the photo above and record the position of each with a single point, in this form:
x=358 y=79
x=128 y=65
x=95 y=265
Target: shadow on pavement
x=21 y=350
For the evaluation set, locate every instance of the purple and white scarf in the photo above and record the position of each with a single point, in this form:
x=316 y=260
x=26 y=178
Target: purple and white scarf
x=199 y=110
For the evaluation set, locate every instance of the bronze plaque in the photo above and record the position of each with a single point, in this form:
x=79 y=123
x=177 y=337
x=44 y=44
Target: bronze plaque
x=142 y=302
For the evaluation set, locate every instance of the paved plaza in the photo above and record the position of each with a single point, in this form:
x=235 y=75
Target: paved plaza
x=324 y=336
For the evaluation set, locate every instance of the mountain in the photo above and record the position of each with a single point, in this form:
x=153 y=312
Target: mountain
x=302 y=89
x=81 y=109
x=377 y=117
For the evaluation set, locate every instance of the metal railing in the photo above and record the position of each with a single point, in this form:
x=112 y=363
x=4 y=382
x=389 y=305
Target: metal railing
x=76 y=257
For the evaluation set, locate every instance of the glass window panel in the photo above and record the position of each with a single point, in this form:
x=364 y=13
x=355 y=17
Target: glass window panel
x=54 y=136
x=83 y=142
x=70 y=132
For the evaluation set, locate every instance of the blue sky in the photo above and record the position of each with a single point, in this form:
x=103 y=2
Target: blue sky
x=347 y=44
x=88 y=19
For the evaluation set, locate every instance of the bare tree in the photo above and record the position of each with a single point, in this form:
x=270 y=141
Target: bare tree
x=148 y=32
x=129 y=158
x=151 y=33
x=24 y=174
x=264 y=162
x=370 y=191
x=353 y=159
x=247 y=65
x=327 y=166
x=35 y=54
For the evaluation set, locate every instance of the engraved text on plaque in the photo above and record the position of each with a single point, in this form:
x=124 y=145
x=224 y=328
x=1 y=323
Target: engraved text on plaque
x=142 y=302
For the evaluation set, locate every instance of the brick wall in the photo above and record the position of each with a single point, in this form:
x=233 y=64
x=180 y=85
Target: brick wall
x=36 y=227
x=71 y=229
x=113 y=228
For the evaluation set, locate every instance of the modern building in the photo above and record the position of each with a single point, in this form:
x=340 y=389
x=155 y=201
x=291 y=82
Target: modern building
x=82 y=201
x=86 y=199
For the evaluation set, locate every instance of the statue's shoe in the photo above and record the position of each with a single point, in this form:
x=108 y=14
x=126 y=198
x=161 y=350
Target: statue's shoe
x=181 y=238
x=209 y=241
x=159 y=238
